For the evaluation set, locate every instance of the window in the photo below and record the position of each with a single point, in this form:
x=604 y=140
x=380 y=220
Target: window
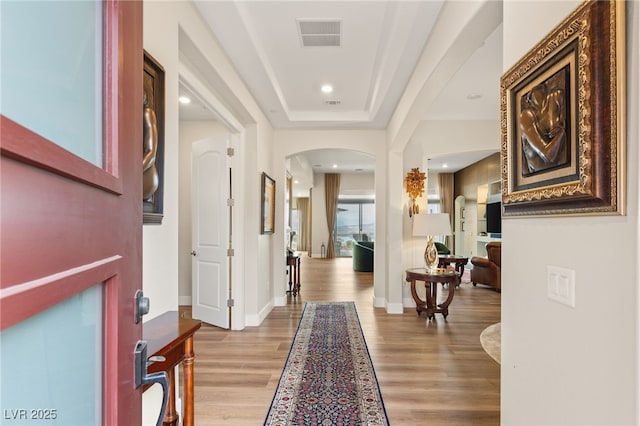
x=355 y=222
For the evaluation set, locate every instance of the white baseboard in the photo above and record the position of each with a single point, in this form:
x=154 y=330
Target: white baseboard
x=395 y=308
x=408 y=302
x=264 y=312
x=379 y=302
x=254 y=320
x=280 y=301
x=184 y=300
x=392 y=308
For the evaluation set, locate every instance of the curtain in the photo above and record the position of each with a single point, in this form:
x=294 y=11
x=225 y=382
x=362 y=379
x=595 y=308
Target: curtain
x=445 y=187
x=331 y=191
x=304 y=238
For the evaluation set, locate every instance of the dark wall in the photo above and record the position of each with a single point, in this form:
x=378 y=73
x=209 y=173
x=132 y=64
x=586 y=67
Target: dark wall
x=484 y=171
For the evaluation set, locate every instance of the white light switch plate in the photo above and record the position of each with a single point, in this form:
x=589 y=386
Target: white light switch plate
x=561 y=285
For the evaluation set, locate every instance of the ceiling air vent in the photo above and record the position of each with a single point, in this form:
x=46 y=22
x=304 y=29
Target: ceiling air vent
x=319 y=33
x=336 y=102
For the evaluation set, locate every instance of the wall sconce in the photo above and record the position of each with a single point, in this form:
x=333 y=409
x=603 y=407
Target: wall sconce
x=414 y=183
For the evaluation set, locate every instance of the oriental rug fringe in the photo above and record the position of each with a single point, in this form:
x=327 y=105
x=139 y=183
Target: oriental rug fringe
x=328 y=378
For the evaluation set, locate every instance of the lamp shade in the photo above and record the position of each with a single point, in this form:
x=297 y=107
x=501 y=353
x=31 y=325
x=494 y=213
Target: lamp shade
x=437 y=224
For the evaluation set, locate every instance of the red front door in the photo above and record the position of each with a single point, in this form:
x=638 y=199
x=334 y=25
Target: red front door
x=70 y=227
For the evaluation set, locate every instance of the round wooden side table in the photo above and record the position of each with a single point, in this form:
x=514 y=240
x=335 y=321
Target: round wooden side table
x=431 y=278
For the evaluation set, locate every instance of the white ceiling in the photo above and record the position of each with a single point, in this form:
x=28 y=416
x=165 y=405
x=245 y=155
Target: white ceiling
x=324 y=160
x=381 y=42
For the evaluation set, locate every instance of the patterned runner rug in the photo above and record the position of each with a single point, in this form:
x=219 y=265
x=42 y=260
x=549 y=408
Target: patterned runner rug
x=328 y=378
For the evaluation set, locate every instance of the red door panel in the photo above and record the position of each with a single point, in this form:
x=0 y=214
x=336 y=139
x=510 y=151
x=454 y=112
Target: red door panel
x=66 y=225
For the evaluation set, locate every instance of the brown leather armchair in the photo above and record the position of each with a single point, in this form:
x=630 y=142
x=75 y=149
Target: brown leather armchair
x=486 y=270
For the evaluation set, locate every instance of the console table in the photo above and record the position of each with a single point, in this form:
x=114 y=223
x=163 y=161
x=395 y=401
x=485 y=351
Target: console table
x=293 y=262
x=171 y=337
x=431 y=280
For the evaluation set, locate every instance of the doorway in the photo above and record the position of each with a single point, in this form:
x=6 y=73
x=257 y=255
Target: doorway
x=355 y=212
x=200 y=120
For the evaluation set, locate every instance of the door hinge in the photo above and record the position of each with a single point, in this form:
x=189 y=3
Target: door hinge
x=230 y=152
x=230 y=202
x=230 y=303
x=230 y=252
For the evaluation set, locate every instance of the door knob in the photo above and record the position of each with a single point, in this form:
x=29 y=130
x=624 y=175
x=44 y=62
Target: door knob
x=142 y=305
x=193 y=253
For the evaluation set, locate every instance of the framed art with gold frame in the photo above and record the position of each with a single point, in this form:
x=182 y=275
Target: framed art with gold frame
x=562 y=119
x=268 y=203
x=153 y=141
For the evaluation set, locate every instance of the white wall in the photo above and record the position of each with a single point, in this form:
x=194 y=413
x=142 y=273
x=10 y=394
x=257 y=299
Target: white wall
x=357 y=183
x=167 y=25
x=160 y=242
x=190 y=132
x=262 y=301
x=562 y=365
x=460 y=136
x=319 y=231
x=302 y=172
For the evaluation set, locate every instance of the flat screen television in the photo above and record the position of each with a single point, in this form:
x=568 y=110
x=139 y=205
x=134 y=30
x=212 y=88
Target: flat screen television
x=494 y=218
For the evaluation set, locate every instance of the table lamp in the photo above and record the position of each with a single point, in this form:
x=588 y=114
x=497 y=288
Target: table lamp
x=430 y=225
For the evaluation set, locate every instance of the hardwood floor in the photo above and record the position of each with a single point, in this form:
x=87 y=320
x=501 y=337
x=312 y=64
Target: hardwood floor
x=436 y=374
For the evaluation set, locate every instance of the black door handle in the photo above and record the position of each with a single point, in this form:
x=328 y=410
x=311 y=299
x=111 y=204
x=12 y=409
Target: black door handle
x=142 y=378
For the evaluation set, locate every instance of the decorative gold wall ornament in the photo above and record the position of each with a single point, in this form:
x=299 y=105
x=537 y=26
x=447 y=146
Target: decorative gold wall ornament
x=414 y=183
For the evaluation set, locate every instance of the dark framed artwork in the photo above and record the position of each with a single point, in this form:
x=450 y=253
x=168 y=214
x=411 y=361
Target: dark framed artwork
x=562 y=119
x=152 y=141
x=268 y=205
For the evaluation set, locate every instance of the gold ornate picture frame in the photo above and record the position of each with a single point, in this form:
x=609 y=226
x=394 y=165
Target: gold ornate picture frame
x=268 y=205
x=563 y=119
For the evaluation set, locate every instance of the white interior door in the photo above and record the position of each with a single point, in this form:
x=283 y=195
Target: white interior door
x=210 y=230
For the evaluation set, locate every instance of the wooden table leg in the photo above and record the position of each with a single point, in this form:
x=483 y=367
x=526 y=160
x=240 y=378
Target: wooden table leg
x=419 y=302
x=298 y=279
x=430 y=290
x=295 y=278
x=445 y=305
x=171 y=416
x=187 y=368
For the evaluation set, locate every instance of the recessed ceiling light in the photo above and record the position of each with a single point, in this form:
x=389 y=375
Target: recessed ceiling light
x=184 y=100
x=474 y=96
x=296 y=181
x=335 y=166
x=326 y=88
x=445 y=165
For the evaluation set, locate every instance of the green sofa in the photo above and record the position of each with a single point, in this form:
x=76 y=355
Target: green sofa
x=362 y=256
